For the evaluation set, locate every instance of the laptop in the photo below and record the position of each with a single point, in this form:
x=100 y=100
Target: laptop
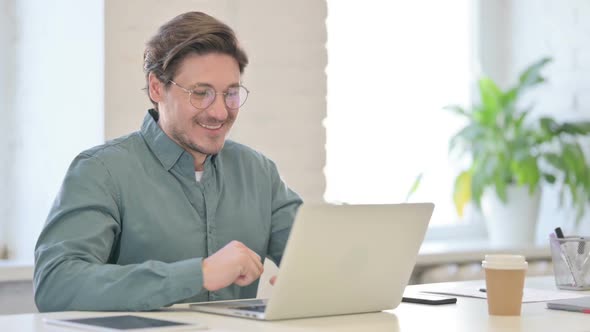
x=340 y=259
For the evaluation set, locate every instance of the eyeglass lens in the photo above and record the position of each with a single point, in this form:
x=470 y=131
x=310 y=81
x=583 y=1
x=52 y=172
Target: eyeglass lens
x=234 y=97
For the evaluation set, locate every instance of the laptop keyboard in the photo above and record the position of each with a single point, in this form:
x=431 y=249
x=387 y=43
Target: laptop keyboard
x=257 y=308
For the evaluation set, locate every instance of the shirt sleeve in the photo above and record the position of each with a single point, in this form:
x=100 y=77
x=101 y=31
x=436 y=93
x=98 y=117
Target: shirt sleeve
x=75 y=263
x=285 y=203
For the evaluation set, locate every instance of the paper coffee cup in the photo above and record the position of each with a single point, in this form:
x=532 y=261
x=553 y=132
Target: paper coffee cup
x=504 y=283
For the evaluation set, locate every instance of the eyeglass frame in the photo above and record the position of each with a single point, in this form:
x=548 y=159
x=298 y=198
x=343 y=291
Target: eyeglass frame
x=190 y=92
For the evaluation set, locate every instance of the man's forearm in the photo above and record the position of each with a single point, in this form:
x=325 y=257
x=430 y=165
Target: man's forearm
x=78 y=285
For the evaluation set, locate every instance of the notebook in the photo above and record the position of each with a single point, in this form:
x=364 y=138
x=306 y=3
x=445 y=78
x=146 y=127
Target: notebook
x=340 y=259
x=580 y=304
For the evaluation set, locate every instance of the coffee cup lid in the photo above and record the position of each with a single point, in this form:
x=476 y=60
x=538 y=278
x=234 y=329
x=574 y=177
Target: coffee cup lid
x=504 y=262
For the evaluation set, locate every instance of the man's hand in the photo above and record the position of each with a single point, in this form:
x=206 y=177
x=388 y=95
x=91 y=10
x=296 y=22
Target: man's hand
x=273 y=280
x=233 y=264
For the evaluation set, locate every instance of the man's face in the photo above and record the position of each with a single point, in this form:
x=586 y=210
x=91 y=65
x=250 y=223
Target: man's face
x=199 y=131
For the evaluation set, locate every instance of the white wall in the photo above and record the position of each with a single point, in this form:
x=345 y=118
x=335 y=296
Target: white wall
x=285 y=41
x=560 y=29
x=493 y=39
x=57 y=106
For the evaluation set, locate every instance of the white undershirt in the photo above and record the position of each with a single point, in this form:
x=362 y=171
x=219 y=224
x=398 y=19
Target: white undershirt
x=198 y=175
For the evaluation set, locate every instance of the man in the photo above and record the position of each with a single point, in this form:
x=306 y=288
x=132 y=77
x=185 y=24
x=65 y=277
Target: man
x=174 y=212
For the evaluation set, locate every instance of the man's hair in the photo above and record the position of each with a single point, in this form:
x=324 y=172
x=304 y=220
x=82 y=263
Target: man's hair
x=187 y=34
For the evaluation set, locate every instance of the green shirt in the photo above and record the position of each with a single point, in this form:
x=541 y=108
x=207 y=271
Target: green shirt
x=131 y=225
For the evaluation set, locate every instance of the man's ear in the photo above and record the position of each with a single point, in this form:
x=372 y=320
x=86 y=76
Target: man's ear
x=156 y=88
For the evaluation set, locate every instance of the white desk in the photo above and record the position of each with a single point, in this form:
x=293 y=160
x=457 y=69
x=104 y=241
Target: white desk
x=467 y=315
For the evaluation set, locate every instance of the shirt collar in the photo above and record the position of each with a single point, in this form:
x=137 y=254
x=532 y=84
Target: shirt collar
x=165 y=149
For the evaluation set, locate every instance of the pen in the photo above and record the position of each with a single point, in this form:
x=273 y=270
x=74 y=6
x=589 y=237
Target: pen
x=581 y=245
x=565 y=256
x=559 y=233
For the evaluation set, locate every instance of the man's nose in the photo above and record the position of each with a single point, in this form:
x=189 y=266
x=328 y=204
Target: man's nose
x=218 y=110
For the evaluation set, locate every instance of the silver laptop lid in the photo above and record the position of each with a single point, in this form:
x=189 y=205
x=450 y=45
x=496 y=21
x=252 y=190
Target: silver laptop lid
x=348 y=259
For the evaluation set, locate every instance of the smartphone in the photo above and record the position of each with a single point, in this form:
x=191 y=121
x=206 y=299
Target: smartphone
x=425 y=298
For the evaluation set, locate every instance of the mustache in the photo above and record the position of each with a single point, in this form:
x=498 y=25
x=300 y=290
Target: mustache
x=208 y=121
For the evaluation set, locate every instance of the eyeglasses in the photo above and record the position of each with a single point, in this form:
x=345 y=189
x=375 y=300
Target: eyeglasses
x=203 y=97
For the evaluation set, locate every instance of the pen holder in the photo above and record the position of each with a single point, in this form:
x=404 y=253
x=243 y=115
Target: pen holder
x=571 y=263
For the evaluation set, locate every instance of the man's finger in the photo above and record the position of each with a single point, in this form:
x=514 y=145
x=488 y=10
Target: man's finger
x=257 y=261
x=253 y=268
x=243 y=281
x=246 y=279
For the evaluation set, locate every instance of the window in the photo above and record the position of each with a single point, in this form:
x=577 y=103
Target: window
x=7 y=91
x=52 y=74
x=392 y=66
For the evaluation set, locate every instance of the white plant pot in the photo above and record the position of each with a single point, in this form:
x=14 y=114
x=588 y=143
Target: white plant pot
x=511 y=224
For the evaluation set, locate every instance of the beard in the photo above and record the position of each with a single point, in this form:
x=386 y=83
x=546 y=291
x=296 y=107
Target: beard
x=188 y=145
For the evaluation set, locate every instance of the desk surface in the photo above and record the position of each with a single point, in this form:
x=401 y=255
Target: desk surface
x=468 y=314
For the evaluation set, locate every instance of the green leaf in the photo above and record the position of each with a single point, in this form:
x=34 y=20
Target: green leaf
x=572 y=189
x=466 y=136
x=415 y=186
x=579 y=160
x=520 y=119
x=554 y=160
x=532 y=75
x=482 y=175
x=501 y=187
x=491 y=98
x=548 y=125
x=510 y=97
x=478 y=184
x=582 y=128
x=548 y=130
x=457 y=109
x=549 y=178
x=527 y=172
x=570 y=161
x=462 y=192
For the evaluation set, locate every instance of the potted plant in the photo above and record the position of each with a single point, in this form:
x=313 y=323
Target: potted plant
x=512 y=155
